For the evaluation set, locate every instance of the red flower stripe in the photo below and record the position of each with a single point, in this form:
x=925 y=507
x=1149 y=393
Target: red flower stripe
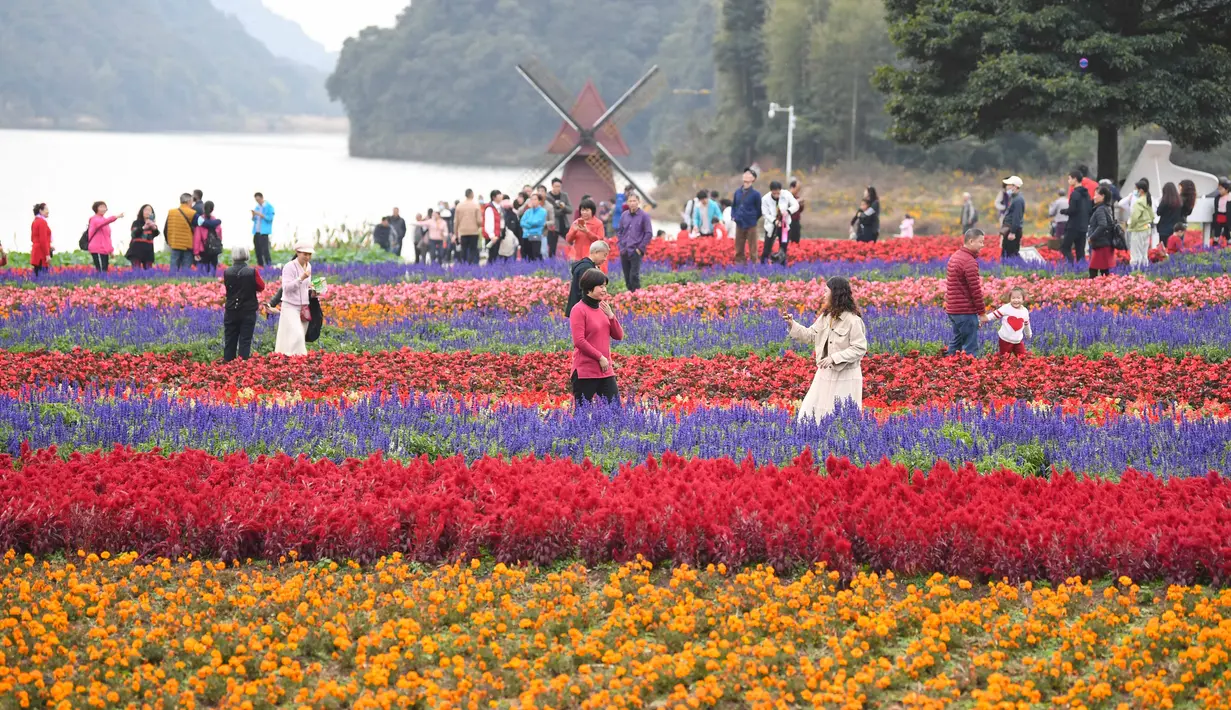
x=695 y=511
x=889 y=380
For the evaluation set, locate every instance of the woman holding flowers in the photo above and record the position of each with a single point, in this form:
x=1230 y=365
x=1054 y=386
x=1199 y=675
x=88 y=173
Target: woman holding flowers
x=293 y=320
x=594 y=326
x=840 y=341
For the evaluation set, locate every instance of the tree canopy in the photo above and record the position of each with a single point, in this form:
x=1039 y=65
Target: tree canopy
x=141 y=65
x=980 y=68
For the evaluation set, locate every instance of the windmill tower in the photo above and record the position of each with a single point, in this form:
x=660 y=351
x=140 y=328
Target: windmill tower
x=589 y=141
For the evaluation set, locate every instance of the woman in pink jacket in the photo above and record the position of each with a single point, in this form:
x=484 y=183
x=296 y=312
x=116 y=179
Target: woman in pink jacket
x=99 y=233
x=594 y=326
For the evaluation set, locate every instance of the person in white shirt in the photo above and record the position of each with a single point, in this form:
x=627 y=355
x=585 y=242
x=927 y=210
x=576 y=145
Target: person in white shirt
x=906 y=230
x=776 y=208
x=1014 y=323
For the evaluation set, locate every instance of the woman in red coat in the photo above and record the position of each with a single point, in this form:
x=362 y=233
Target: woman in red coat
x=40 y=240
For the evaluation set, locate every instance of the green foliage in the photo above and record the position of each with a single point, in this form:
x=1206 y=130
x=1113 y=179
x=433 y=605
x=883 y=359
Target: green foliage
x=143 y=65
x=447 y=70
x=975 y=68
x=739 y=57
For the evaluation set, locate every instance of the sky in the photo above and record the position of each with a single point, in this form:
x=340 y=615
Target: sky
x=330 y=22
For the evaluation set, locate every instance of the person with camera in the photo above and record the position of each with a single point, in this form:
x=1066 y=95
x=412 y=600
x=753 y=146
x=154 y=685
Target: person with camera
x=563 y=213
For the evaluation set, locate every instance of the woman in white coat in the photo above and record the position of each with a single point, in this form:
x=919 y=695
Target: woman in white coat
x=840 y=340
x=296 y=286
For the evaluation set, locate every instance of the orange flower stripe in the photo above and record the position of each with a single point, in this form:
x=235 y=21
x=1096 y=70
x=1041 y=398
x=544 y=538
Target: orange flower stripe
x=103 y=631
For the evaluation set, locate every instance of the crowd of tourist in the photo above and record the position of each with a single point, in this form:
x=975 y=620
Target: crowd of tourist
x=191 y=229
x=1091 y=220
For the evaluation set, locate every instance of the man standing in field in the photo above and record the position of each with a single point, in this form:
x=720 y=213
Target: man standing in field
x=746 y=211
x=262 y=228
x=635 y=233
x=964 y=294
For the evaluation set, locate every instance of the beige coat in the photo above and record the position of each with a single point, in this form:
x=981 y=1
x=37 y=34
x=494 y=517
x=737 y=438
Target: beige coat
x=845 y=343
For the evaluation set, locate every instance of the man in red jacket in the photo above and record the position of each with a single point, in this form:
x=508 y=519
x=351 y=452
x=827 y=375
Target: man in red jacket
x=964 y=294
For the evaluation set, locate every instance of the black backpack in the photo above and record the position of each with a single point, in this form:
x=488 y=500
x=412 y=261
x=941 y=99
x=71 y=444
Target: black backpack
x=213 y=242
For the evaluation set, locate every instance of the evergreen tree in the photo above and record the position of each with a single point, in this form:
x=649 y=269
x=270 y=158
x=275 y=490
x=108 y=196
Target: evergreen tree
x=979 y=68
x=739 y=58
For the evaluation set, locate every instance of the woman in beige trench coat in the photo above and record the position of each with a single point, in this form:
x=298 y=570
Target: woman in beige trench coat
x=840 y=341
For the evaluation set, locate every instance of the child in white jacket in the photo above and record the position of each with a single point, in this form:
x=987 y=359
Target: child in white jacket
x=1014 y=323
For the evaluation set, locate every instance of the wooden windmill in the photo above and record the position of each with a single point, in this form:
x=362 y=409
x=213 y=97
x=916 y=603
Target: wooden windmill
x=589 y=140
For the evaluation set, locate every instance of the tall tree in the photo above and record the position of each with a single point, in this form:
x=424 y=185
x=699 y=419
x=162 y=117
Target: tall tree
x=739 y=57
x=980 y=67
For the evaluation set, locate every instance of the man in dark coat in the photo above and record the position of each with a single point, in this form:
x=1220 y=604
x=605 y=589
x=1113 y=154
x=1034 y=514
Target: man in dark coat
x=1081 y=205
x=598 y=256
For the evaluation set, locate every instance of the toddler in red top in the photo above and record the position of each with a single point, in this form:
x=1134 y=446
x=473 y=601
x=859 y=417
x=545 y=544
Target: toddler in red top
x=720 y=229
x=683 y=233
x=1175 y=243
x=1014 y=323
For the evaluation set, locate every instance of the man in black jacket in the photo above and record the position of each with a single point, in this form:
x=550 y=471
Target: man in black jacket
x=563 y=216
x=243 y=283
x=382 y=233
x=1081 y=205
x=398 y=226
x=598 y=256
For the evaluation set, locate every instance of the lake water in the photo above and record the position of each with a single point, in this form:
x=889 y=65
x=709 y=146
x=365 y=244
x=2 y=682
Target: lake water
x=310 y=179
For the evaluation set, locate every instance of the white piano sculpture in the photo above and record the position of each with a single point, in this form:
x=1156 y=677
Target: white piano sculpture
x=1154 y=164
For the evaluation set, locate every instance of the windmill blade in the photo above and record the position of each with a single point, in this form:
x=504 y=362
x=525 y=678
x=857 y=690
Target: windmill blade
x=638 y=96
x=549 y=87
x=546 y=167
x=620 y=168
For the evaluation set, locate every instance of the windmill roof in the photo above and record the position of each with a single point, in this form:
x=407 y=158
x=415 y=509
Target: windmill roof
x=588 y=108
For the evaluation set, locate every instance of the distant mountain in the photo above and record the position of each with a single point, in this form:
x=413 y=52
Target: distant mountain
x=283 y=37
x=143 y=65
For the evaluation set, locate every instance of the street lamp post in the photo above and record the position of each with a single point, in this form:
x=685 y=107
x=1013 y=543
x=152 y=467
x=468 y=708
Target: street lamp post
x=790 y=132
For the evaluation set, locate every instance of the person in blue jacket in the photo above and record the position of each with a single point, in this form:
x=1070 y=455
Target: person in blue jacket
x=745 y=212
x=533 y=222
x=619 y=209
x=262 y=227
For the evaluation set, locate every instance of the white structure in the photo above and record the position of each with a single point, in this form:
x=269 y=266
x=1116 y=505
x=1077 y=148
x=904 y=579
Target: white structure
x=1154 y=164
x=790 y=135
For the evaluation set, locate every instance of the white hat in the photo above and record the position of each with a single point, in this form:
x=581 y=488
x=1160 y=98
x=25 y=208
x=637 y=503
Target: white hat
x=1013 y=180
x=304 y=247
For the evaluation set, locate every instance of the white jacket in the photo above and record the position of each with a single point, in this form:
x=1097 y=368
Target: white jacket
x=769 y=209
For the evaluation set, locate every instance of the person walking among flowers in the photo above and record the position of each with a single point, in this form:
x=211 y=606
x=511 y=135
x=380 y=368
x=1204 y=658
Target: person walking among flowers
x=40 y=240
x=840 y=341
x=594 y=325
x=964 y=294
x=1140 y=222
x=1014 y=320
x=294 y=316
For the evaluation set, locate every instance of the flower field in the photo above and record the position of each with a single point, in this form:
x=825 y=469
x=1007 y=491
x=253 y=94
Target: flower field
x=416 y=515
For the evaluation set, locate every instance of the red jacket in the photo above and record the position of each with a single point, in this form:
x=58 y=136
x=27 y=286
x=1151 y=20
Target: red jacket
x=40 y=243
x=963 y=286
x=1090 y=185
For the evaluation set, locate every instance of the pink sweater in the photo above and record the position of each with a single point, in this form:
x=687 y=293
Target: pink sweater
x=593 y=332
x=100 y=235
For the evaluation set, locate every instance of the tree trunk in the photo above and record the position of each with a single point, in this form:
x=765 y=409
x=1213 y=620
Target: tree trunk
x=1109 y=153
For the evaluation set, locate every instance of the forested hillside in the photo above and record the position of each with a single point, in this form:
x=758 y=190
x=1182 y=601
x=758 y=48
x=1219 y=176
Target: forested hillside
x=442 y=84
x=142 y=65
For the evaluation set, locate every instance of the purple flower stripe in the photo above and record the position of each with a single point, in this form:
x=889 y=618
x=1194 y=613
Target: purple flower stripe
x=1019 y=437
x=1060 y=331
